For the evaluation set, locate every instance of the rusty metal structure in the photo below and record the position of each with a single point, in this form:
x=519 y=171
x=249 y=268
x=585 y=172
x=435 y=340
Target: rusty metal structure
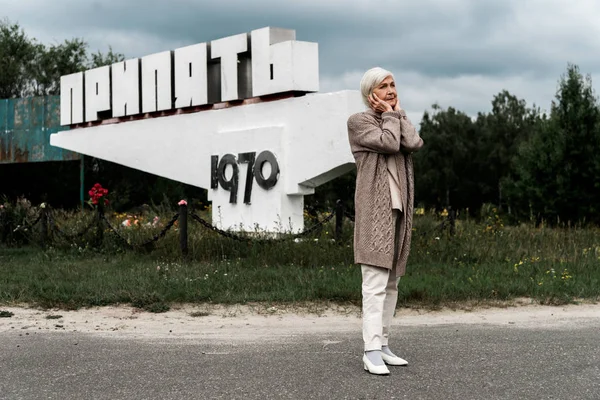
x=25 y=128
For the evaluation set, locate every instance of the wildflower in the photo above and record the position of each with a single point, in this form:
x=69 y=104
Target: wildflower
x=182 y=203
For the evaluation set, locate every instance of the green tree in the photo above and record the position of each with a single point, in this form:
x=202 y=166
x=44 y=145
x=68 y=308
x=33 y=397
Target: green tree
x=99 y=59
x=444 y=166
x=52 y=62
x=17 y=53
x=500 y=133
x=534 y=169
x=557 y=170
x=29 y=68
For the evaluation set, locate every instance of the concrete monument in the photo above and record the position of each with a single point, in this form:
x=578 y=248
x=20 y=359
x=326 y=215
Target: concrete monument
x=238 y=116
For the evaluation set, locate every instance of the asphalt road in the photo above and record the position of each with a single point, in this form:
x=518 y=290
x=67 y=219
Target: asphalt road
x=458 y=361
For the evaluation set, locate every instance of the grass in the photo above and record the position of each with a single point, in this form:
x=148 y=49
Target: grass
x=482 y=262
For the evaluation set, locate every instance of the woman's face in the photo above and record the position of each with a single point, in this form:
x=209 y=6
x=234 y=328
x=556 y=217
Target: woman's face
x=386 y=91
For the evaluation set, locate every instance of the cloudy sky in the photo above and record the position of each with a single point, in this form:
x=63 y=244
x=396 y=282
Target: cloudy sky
x=455 y=53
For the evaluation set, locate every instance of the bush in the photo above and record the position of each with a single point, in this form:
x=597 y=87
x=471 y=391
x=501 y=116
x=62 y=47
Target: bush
x=16 y=220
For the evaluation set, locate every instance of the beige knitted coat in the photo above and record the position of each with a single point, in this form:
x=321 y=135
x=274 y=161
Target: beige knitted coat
x=373 y=137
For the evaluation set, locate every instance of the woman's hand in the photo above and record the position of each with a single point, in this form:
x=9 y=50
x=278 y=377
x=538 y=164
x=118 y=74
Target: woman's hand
x=379 y=105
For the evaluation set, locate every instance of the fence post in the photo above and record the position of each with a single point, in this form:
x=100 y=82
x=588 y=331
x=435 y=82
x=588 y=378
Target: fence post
x=3 y=224
x=339 y=220
x=44 y=221
x=183 y=228
x=452 y=217
x=99 y=230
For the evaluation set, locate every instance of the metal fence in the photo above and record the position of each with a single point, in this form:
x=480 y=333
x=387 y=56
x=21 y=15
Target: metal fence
x=46 y=225
x=25 y=128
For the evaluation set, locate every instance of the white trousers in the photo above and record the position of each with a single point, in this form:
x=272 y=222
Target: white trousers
x=379 y=298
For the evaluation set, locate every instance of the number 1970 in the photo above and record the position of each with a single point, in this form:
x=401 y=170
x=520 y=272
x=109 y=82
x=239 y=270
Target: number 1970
x=255 y=167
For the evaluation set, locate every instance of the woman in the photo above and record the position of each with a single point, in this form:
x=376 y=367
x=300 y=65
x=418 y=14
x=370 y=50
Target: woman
x=382 y=139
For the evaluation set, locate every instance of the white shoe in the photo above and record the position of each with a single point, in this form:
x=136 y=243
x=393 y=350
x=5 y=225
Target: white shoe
x=393 y=360
x=374 y=369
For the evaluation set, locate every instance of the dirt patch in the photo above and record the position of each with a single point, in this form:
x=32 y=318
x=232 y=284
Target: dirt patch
x=268 y=322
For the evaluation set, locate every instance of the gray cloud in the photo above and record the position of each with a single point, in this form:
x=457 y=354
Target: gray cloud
x=455 y=52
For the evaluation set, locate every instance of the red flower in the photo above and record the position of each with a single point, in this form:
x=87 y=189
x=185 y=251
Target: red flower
x=97 y=192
